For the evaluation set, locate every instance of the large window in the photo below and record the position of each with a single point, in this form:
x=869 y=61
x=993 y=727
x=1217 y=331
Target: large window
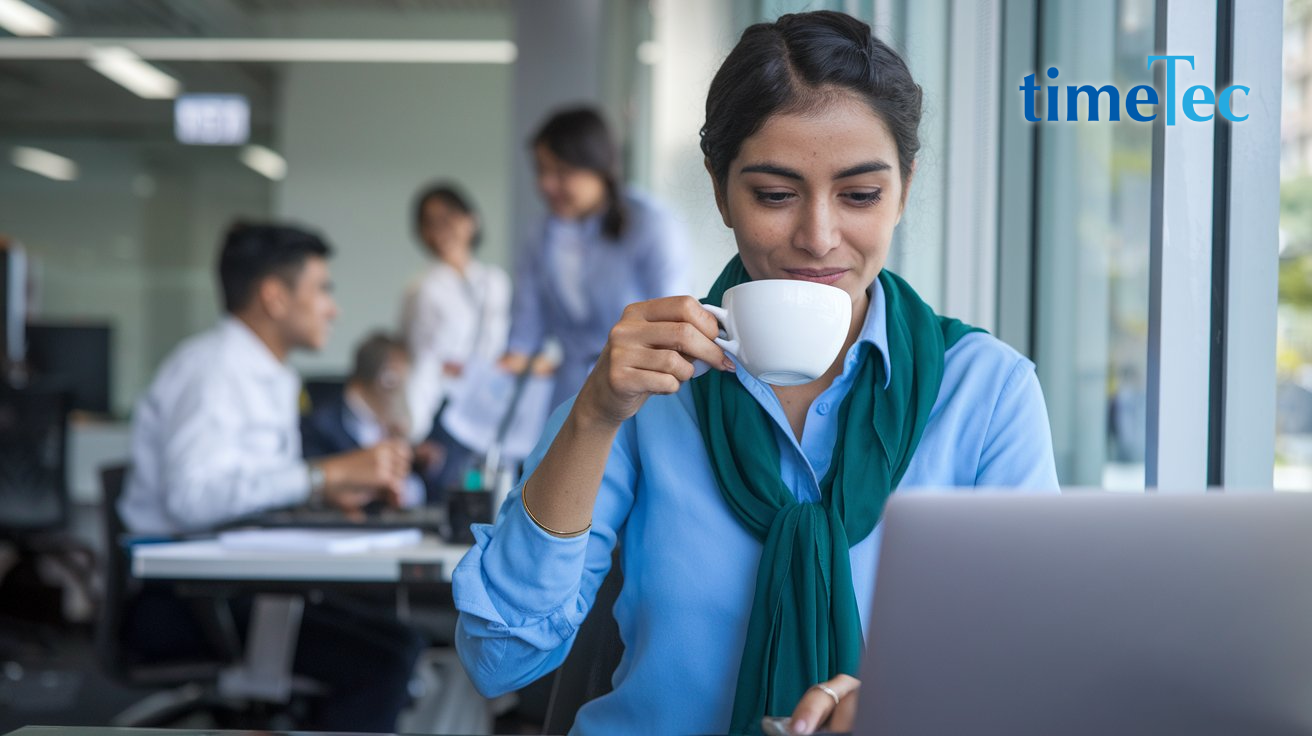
x=1293 y=462
x=1092 y=214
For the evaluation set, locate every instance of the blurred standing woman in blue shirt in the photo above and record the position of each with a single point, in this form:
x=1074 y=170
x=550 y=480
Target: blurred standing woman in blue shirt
x=749 y=513
x=600 y=248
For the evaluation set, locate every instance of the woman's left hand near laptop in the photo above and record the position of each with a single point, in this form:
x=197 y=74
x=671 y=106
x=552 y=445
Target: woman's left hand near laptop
x=818 y=708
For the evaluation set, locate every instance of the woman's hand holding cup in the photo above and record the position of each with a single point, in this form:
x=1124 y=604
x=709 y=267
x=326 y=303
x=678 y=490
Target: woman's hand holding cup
x=650 y=351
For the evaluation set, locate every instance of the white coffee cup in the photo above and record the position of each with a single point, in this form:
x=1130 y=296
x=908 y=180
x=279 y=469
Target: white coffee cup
x=782 y=331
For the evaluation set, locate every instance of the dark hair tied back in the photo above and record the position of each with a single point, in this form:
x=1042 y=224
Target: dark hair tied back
x=580 y=137
x=797 y=64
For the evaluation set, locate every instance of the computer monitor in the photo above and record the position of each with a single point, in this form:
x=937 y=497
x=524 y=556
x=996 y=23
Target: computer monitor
x=76 y=356
x=1091 y=614
x=13 y=302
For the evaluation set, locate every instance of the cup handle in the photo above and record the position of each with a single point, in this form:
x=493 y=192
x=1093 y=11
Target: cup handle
x=727 y=342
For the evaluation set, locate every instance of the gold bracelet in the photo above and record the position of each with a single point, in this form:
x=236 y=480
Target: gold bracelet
x=523 y=499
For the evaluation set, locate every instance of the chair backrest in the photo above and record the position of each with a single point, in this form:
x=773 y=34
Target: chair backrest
x=120 y=661
x=109 y=625
x=319 y=390
x=587 y=671
x=33 y=459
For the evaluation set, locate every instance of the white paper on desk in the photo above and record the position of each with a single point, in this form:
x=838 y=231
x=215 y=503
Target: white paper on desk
x=479 y=403
x=317 y=541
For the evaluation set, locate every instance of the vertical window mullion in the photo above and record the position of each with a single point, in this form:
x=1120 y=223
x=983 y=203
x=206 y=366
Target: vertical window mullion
x=1016 y=182
x=1179 y=304
x=1246 y=436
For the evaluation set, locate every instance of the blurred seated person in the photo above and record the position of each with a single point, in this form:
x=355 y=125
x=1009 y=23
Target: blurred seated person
x=371 y=409
x=215 y=438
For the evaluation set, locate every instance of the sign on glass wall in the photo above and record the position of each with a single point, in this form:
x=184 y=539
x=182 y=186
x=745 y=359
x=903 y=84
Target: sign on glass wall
x=212 y=119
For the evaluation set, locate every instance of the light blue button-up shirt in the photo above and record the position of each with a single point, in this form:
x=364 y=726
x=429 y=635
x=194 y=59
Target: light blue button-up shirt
x=689 y=565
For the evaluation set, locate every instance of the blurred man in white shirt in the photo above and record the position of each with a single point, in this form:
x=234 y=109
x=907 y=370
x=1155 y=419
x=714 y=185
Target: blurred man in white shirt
x=216 y=438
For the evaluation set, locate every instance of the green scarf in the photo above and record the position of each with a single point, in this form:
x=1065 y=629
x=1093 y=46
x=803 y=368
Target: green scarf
x=804 y=626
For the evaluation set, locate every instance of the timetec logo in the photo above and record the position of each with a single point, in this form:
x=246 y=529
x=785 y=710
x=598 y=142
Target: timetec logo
x=1194 y=104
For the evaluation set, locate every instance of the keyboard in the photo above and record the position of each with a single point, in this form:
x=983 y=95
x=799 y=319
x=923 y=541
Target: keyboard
x=426 y=518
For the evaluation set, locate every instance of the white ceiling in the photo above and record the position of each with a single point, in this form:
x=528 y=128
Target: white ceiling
x=216 y=17
x=59 y=98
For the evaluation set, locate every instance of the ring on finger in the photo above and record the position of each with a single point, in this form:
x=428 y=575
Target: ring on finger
x=827 y=691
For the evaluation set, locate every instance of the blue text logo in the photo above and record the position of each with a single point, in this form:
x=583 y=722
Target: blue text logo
x=1195 y=97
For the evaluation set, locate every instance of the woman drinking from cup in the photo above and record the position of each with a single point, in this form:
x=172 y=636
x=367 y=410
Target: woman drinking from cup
x=748 y=511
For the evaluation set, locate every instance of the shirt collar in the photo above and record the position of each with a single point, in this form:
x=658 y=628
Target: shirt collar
x=357 y=408
x=875 y=329
x=587 y=227
x=473 y=271
x=256 y=355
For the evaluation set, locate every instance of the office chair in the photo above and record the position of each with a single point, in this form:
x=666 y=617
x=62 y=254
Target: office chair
x=186 y=686
x=33 y=455
x=587 y=671
x=319 y=390
x=34 y=515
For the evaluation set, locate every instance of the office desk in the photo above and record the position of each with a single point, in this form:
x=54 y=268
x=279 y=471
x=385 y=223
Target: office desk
x=282 y=578
x=429 y=519
x=206 y=561
x=97 y=731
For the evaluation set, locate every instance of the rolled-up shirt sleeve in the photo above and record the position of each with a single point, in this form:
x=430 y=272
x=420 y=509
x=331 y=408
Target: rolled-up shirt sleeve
x=523 y=593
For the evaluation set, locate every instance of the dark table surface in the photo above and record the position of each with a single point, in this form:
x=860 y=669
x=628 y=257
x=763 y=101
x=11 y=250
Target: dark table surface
x=96 y=731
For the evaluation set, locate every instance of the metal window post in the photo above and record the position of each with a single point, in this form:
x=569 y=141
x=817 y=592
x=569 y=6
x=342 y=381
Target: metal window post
x=1179 y=302
x=1247 y=244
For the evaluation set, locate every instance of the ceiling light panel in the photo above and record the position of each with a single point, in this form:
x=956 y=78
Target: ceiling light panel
x=45 y=163
x=126 y=68
x=22 y=19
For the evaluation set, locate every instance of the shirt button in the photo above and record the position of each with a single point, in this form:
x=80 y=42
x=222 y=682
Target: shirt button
x=822 y=408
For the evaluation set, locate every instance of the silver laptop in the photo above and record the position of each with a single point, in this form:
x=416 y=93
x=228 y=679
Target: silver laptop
x=1091 y=614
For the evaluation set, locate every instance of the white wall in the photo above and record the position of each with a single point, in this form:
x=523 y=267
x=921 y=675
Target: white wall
x=359 y=139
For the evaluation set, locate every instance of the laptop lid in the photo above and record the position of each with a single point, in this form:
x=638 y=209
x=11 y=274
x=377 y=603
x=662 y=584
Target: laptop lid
x=1091 y=614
